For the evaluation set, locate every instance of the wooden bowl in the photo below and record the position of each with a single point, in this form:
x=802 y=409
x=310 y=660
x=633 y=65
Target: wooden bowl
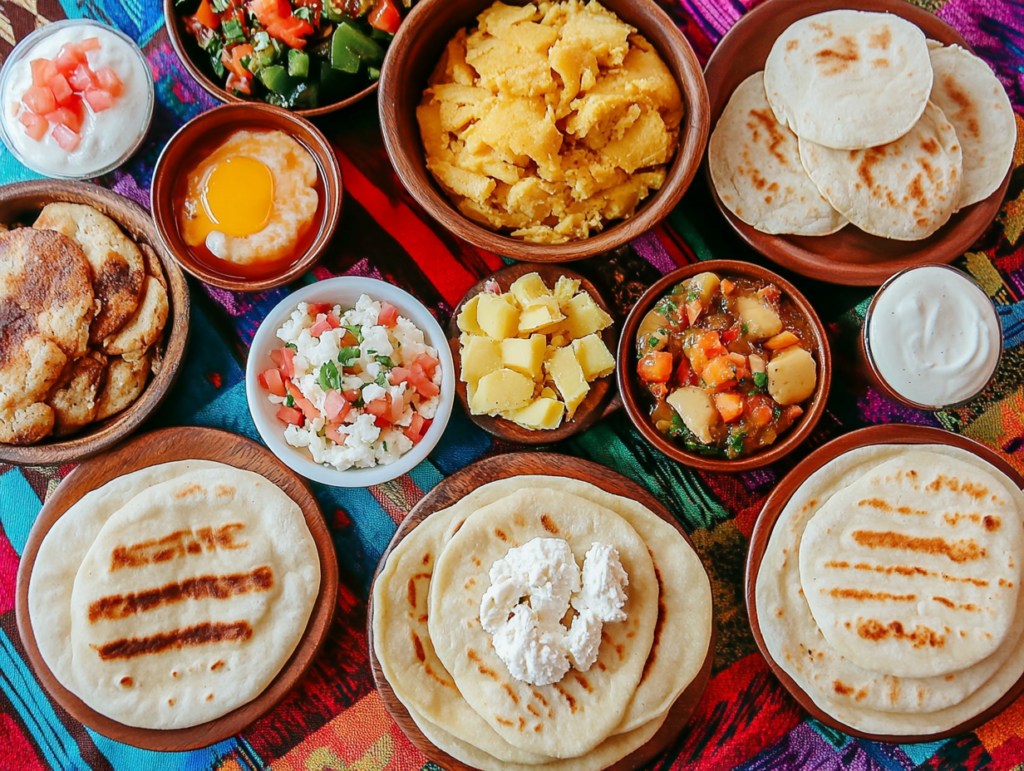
x=178 y=158
x=190 y=54
x=601 y=390
x=416 y=49
x=634 y=398
x=22 y=201
x=775 y=503
x=850 y=256
x=454 y=488
x=164 y=446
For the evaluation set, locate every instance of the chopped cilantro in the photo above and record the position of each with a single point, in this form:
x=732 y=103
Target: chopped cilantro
x=347 y=355
x=232 y=29
x=293 y=346
x=330 y=378
x=744 y=329
x=777 y=412
x=667 y=306
x=385 y=446
x=382 y=380
x=735 y=443
x=370 y=352
x=385 y=361
x=289 y=401
x=760 y=382
x=356 y=331
x=303 y=12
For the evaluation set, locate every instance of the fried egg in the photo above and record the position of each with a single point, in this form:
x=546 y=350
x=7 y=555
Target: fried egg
x=251 y=200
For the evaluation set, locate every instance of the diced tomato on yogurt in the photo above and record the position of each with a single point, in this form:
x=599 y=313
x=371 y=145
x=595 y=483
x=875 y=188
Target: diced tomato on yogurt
x=66 y=138
x=35 y=125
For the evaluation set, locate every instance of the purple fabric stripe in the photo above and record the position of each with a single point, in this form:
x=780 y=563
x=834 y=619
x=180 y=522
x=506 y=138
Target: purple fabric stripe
x=651 y=249
x=995 y=28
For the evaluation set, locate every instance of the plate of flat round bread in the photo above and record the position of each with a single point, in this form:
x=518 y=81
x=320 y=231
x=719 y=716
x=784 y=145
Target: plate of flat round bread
x=469 y=701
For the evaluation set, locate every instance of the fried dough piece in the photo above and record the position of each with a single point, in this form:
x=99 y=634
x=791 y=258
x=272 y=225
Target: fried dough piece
x=118 y=268
x=153 y=266
x=125 y=381
x=74 y=400
x=29 y=366
x=145 y=326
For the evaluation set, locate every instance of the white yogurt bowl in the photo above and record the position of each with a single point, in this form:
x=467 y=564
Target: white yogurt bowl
x=110 y=137
x=344 y=290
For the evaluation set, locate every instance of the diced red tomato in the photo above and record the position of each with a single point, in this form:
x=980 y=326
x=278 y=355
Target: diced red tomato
x=291 y=416
x=206 y=16
x=730 y=335
x=315 y=309
x=35 y=125
x=685 y=374
x=336 y=436
x=424 y=385
x=285 y=359
x=98 y=99
x=729 y=406
x=271 y=380
x=655 y=367
x=348 y=340
x=399 y=375
x=240 y=77
x=352 y=394
x=82 y=78
x=333 y=320
x=60 y=88
x=769 y=293
x=720 y=373
x=66 y=138
x=302 y=402
x=336 y=406
x=71 y=115
x=711 y=344
x=89 y=44
x=386 y=17
x=388 y=315
x=42 y=71
x=320 y=326
x=727 y=286
x=416 y=430
x=276 y=18
x=68 y=58
x=378 y=407
x=109 y=81
x=40 y=100
x=428 y=362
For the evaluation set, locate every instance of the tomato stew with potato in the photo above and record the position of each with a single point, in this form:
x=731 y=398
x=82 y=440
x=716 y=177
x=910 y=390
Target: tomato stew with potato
x=727 y=362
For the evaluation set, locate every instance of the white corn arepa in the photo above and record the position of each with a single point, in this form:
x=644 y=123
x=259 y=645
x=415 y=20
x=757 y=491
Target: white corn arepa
x=904 y=190
x=570 y=717
x=914 y=569
x=975 y=102
x=755 y=166
x=849 y=79
x=862 y=699
x=191 y=599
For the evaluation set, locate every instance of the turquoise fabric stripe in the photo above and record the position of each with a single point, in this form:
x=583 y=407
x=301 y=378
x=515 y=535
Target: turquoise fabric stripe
x=126 y=758
x=20 y=507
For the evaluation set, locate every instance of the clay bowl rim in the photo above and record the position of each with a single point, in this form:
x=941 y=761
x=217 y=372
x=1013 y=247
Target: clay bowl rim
x=239 y=116
x=136 y=223
x=602 y=390
x=629 y=385
x=181 y=43
x=945 y=245
x=408 y=158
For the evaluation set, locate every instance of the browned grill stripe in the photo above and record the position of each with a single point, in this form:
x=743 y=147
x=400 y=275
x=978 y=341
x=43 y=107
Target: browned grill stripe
x=118 y=606
x=189 y=637
x=905 y=570
x=964 y=550
x=178 y=544
x=883 y=505
x=864 y=594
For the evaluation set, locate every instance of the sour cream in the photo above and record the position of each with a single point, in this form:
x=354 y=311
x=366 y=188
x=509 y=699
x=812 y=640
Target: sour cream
x=108 y=137
x=933 y=336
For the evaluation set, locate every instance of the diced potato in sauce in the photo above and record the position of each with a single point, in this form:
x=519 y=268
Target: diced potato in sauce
x=791 y=376
x=762 y=322
x=697 y=409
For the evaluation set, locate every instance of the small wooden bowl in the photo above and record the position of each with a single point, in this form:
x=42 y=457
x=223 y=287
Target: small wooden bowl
x=164 y=446
x=851 y=256
x=189 y=52
x=771 y=511
x=25 y=200
x=454 y=488
x=177 y=158
x=416 y=49
x=634 y=398
x=601 y=390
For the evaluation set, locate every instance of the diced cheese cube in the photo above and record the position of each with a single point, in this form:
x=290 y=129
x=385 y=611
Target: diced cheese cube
x=557 y=341
x=584 y=316
x=594 y=357
x=501 y=391
x=497 y=317
x=565 y=288
x=466 y=320
x=543 y=413
x=526 y=356
x=480 y=356
x=526 y=289
x=565 y=370
x=543 y=312
x=548 y=393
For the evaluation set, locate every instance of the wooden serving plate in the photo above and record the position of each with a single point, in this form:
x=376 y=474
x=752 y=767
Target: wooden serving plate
x=601 y=390
x=850 y=256
x=163 y=446
x=24 y=200
x=460 y=484
x=775 y=503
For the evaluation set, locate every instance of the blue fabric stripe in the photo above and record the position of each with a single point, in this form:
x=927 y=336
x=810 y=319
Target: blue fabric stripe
x=1012 y=317
x=126 y=758
x=19 y=506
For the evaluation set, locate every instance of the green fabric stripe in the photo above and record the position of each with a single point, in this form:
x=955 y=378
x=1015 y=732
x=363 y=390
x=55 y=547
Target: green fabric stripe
x=685 y=227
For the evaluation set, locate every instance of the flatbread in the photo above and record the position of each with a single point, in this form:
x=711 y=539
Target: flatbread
x=755 y=166
x=849 y=79
x=905 y=190
x=191 y=599
x=576 y=714
x=975 y=102
x=914 y=570
x=863 y=700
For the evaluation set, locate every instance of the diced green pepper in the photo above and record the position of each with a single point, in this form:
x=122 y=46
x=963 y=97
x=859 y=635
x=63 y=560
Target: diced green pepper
x=298 y=63
x=373 y=73
x=361 y=46
x=341 y=57
x=276 y=79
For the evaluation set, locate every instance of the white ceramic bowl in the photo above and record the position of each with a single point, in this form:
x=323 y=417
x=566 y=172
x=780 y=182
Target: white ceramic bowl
x=346 y=291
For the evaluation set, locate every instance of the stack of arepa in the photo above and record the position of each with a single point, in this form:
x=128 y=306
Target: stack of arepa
x=857 y=118
x=174 y=594
x=456 y=678
x=889 y=590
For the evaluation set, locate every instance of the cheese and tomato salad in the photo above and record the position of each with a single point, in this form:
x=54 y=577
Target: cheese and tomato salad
x=357 y=387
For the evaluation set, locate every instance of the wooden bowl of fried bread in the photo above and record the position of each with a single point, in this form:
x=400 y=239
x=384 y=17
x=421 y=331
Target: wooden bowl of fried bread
x=94 y=317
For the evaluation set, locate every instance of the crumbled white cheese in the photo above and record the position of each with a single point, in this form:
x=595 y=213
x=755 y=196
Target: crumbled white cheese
x=528 y=635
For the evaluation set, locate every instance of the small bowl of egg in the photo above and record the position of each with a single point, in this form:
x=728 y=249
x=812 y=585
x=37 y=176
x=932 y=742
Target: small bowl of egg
x=247 y=196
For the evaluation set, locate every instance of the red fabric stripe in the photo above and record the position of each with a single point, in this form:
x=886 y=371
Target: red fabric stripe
x=437 y=263
x=670 y=245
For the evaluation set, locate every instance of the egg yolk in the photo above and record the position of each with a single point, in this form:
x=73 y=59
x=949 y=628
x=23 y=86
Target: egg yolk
x=238 y=196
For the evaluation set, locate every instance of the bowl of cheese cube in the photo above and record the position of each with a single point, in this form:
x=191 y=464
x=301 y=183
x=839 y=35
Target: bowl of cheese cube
x=533 y=350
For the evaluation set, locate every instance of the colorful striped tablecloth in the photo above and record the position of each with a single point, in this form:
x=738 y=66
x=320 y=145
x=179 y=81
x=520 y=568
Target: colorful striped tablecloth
x=334 y=720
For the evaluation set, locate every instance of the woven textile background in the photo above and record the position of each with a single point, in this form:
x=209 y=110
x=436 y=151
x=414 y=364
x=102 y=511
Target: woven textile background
x=334 y=719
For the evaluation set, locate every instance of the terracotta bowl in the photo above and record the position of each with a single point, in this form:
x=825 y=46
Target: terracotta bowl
x=22 y=202
x=850 y=256
x=417 y=48
x=635 y=399
x=194 y=60
x=178 y=158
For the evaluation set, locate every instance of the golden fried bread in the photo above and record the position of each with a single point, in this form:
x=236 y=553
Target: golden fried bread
x=145 y=326
x=29 y=366
x=118 y=268
x=153 y=266
x=125 y=380
x=74 y=399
